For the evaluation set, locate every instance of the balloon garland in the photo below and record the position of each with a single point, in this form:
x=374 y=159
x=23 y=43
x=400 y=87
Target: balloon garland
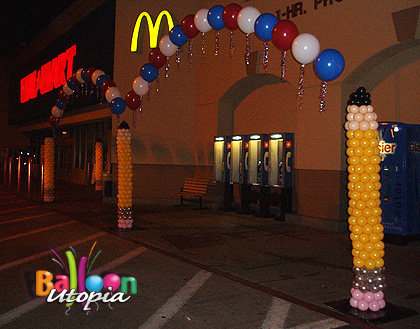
x=48 y=169
x=365 y=213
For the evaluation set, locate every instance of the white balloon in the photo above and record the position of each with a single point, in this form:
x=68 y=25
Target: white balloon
x=96 y=74
x=364 y=125
x=246 y=19
x=348 y=108
x=369 y=116
x=346 y=125
x=201 y=22
x=305 y=48
x=167 y=47
x=67 y=90
x=353 y=125
x=354 y=109
x=111 y=93
x=350 y=116
x=56 y=112
x=375 y=116
x=140 y=86
x=370 y=108
x=373 y=125
x=79 y=76
x=358 y=117
x=363 y=109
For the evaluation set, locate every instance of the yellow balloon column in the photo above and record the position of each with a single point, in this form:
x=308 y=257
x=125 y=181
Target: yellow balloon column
x=364 y=205
x=48 y=169
x=125 y=175
x=99 y=165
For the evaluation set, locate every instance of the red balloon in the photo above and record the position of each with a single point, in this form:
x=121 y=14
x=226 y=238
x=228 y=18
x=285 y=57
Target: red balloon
x=157 y=59
x=132 y=100
x=230 y=16
x=188 y=26
x=284 y=32
x=53 y=121
x=62 y=96
x=107 y=83
x=89 y=73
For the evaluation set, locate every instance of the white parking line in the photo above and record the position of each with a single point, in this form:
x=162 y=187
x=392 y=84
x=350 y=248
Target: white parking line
x=17 y=312
x=25 y=218
x=17 y=209
x=174 y=304
x=277 y=315
x=329 y=323
x=37 y=231
x=46 y=253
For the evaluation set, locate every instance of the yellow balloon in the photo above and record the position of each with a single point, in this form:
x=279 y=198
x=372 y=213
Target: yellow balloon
x=349 y=133
x=364 y=255
x=350 y=151
x=350 y=169
x=377 y=211
x=379 y=263
x=353 y=160
x=372 y=220
x=364 y=159
x=350 y=186
x=355 y=252
x=358 y=134
x=363 y=238
x=370 y=264
x=370 y=168
x=357 y=151
x=359 y=169
x=370 y=186
x=376 y=133
x=378 y=186
x=352 y=220
x=369 y=246
x=357 y=245
x=367 y=229
x=354 y=237
x=352 y=203
x=360 y=204
x=352 y=142
x=375 y=195
x=358 y=262
x=369 y=134
x=381 y=236
x=375 y=159
x=354 y=195
x=367 y=212
x=375 y=255
x=379 y=245
x=356 y=212
x=364 y=143
x=374 y=142
x=359 y=186
x=369 y=151
x=382 y=252
x=357 y=229
x=365 y=177
x=361 y=221
x=378 y=228
x=365 y=196
x=353 y=178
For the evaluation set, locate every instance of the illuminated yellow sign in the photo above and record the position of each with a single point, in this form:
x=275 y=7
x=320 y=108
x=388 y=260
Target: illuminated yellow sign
x=153 y=28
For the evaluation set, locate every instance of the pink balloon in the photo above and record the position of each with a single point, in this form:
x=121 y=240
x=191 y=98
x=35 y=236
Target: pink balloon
x=381 y=303
x=369 y=297
x=353 y=302
x=379 y=295
x=374 y=306
x=363 y=305
x=357 y=294
x=111 y=280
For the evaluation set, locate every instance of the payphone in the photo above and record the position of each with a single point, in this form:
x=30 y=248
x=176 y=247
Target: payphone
x=399 y=146
x=222 y=161
x=253 y=163
x=236 y=159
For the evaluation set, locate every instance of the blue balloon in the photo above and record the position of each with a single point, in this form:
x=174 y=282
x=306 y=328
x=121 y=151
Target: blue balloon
x=264 y=26
x=177 y=36
x=71 y=84
x=83 y=75
x=214 y=17
x=118 y=105
x=329 y=64
x=148 y=72
x=94 y=283
x=101 y=79
x=60 y=104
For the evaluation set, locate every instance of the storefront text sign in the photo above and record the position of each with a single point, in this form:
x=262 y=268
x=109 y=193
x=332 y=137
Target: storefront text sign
x=301 y=8
x=51 y=75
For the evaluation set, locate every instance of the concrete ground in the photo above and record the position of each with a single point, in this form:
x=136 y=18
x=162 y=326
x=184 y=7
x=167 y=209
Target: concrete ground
x=195 y=269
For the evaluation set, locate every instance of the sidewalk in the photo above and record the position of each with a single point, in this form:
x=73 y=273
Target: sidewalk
x=301 y=262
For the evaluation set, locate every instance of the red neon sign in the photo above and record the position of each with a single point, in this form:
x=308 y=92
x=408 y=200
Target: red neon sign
x=51 y=75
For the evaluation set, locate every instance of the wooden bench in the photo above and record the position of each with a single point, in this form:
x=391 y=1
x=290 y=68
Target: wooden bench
x=194 y=190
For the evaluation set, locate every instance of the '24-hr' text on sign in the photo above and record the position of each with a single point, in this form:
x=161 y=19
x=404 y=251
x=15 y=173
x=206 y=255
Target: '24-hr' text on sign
x=51 y=75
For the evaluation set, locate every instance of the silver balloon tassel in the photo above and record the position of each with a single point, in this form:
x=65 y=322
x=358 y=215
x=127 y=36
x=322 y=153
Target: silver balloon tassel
x=167 y=68
x=217 y=43
x=158 y=82
x=323 y=95
x=248 y=48
x=203 y=44
x=149 y=91
x=265 y=57
x=283 y=65
x=301 y=86
x=232 y=44
x=190 y=53
x=178 y=57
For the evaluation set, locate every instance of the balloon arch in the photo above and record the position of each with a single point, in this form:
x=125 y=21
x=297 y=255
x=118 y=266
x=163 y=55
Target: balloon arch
x=284 y=35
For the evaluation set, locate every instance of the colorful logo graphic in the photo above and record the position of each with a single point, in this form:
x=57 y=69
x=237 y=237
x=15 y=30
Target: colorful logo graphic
x=76 y=287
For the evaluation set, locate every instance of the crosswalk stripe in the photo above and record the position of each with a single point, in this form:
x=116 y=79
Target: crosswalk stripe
x=174 y=304
x=16 y=209
x=277 y=315
x=25 y=218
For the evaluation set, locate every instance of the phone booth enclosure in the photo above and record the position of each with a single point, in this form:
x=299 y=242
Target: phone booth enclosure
x=236 y=159
x=253 y=164
x=219 y=150
x=244 y=160
x=400 y=175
